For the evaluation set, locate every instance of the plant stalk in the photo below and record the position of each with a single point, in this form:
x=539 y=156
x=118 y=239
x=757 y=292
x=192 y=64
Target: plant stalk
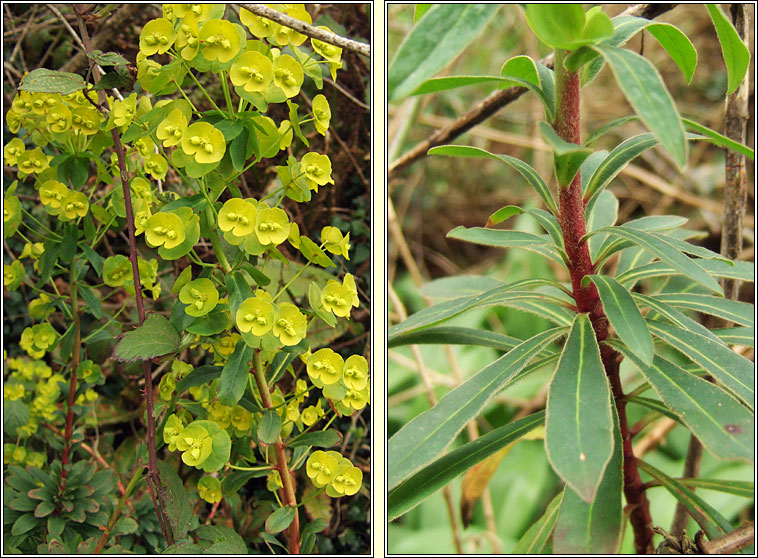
x=281 y=458
x=573 y=226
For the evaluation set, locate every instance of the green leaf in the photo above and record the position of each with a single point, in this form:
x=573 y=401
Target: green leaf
x=536 y=537
x=435 y=85
x=736 y=335
x=74 y=171
x=711 y=521
x=199 y=376
x=144 y=125
x=15 y=415
x=615 y=162
x=225 y=540
x=43 y=80
x=732 y=310
x=720 y=422
x=603 y=213
x=567 y=157
x=24 y=524
x=269 y=427
x=624 y=316
x=579 y=424
x=93 y=302
x=662 y=248
x=733 y=371
x=178 y=506
x=107 y=58
x=440 y=36
x=431 y=478
x=566 y=26
x=673 y=315
x=448 y=335
x=742 y=271
x=529 y=174
x=420 y=440
x=718 y=139
x=420 y=10
x=125 y=526
x=319 y=439
x=595 y=527
x=234 y=376
x=496 y=237
x=459 y=285
x=678 y=46
x=736 y=53
x=644 y=89
x=280 y=519
x=155 y=337
x=743 y=489
x=522 y=71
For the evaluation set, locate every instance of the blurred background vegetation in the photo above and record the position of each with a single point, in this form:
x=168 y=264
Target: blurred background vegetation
x=436 y=194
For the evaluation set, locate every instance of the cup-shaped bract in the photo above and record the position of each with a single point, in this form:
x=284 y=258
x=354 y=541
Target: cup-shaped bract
x=347 y=481
x=116 y=270
x=33 y=161
x=289 y=324
x=156 y=166
x=171 y=128
x=59 y=118
x=329 y=51
x=74 y=205
x=195 y=443
x=52 y=193
x=253 y=71
x=200 y=295
x=12 y=150
x=238 y=216
x=200 y=12
x=325 y=366
x=288 y=75
x=164 y=229
x=321 y=468
x=219 y=40
x=255 y=315
x=188 y=37
x=284 y=36
x=317 y=168
x=259 y=26
x=334 y=242
x=321 y=113
x=205 y=142
x=355 y=372
x=209 y=489
x=171 y=431
x=156 y=37
x=348 y=282
x=337 y=299
x=272 y=226
x=86 y=120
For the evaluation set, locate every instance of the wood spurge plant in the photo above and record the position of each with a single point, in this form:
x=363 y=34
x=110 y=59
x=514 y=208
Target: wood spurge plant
x=199 y=180
x=625 y=341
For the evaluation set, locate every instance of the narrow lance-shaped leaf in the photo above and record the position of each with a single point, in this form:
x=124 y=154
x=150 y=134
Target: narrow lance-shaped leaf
x=733 y=371
x=742 y=271
x=451 y=335
x=732 y=310
x=567 y=157
x=536 y=537
x=673 y=315
x=443 y=32
x=644 y=89
x=579 y=424
x=744 y=489
x=720 y=422
x=624 y=316
x=736 y=53
x=234 y=376
x=431 y=478
x=423 y=438
x=595 y=527
x=529 y=174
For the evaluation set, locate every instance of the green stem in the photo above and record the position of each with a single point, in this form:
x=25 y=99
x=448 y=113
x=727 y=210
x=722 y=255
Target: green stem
x=117 y=512
x=225 y=87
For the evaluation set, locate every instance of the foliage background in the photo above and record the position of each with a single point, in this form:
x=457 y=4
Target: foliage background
x=436 y=194
x=33 y=37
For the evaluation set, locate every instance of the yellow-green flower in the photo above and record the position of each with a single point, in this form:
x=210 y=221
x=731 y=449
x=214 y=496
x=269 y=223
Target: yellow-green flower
x=330 y=52
x=33 y=162
x=40 y=308
x=12 y=150
x=355 y=373
x=171 y=128
x=188 y=37
x=220 y=414
x=90 y=372
x=14 y=391
x=203 y=141
x=145 y=146
x=35 y=459
x=200 y=295
x=209 y=489
x=225 y=345
x=122 y=112
x=259 y=26
x=74 y=205
x=347 y=481
x=164 y=229
x=325 y=366
x=289 y=324
x=167 y=387
x=253 y=71
x=241 y=418
x=156 y=166
x=171 y=431
x=283 y=35
x=200 y=12
x=337 y=299
x=195 y=443
x=157 y=37
x=59 y=118
x=239 y=216
x=311 y=414
x=272 y=226
x=45 y=336
x=116 y=270
x=288 y=75
x=219 y=40
x=286 y=133
x=348 y=283
x=52 y=193
x=86 y=120
x=256 y=315
x=13 y=275
x=334 y=242
x=317 y=169
x=322 y=114
x=321 y=468
x=357 y=399
x=293 y=411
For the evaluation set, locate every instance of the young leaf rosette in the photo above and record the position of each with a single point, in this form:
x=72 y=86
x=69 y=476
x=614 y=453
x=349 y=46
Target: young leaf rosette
x=203 y=141
x=252 y=71
x=200 y=296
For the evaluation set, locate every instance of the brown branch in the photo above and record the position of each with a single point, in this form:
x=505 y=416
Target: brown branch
x=497 y=100
x=730 y=543
x=309 y=30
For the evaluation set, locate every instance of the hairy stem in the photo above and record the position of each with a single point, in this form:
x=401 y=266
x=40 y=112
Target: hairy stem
x=573 y=226
x=281 y=458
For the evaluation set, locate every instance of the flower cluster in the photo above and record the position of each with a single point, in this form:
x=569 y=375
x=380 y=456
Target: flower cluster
x=331 y=470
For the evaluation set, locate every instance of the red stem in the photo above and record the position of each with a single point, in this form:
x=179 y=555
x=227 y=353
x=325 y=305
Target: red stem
x=573 y=226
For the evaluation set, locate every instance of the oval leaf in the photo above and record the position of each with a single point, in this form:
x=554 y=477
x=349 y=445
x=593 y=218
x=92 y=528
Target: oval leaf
x=736 y=53
x=43 y=80
x=155 y=337
x=269 y=427
x=280 y=519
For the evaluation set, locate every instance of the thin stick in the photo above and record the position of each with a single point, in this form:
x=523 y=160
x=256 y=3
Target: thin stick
x=730 y=543
x=309 y=30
